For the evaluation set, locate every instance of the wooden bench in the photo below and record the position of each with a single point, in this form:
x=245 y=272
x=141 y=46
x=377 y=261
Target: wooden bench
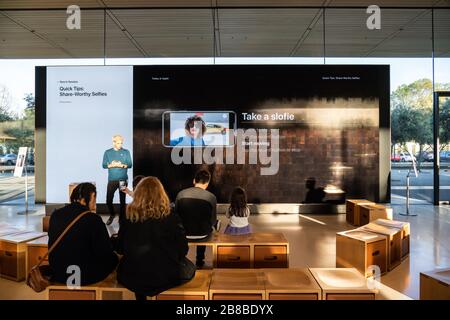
x=360 y=249
x=342 y=284
x=13 y=252
x=394 y=242
x=255 y=250
x=291 y=284
x=435 y=285
x=229 y=284
x=36 y=250
x=246 y=284
x=237 y=284
x=108 y=289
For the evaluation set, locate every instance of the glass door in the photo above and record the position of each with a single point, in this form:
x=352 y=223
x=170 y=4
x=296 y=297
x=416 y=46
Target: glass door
x=443 y=144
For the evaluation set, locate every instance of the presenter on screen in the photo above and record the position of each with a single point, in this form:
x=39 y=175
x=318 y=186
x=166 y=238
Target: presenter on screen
x=195 y=128
x=117 y=160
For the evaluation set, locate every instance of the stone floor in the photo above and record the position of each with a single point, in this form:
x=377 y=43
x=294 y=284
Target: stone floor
x=312 y=241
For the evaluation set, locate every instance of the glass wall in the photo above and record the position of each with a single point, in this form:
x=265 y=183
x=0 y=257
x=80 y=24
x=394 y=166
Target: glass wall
x=442 y=79
x=405 y=41
x=17 y=124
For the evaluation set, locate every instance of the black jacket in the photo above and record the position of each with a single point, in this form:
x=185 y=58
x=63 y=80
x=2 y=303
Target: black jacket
x=153 y=254
x=86 y=245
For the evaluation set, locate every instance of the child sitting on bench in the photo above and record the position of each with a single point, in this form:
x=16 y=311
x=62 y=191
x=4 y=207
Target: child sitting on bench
x=238 y=213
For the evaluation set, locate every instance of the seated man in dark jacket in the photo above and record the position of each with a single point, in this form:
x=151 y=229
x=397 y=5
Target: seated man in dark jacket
x=197 y=208
x=86 y=245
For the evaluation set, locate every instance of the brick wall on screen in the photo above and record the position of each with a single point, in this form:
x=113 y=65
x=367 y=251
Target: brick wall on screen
x=346 y=158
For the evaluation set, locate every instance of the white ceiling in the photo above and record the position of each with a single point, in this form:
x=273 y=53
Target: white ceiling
x=33 y=4
x=226 y=32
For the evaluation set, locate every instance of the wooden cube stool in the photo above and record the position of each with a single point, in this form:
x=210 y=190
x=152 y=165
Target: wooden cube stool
x=229 y=284
x=352 y=210
x=394 y=239
x=111 y=289
x=36 y=250
x=233 y=256
x=435 y=285
x=63 y=293
x=405 y=229
x=360 y=249
x=372 y=212
x=8 y=230
x=12 y=254
x=342 y=284
x=196 y=289
x=255 y=250
x=291 y=284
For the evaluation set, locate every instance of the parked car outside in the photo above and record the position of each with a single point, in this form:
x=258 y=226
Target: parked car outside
x=8 y=159
x=425 y=156
x=406 y=157
x=395 y=158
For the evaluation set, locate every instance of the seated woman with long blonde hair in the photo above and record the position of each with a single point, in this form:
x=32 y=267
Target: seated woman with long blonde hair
x=153 y=243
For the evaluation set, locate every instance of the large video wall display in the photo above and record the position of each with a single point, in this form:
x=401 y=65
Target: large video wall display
x=285 y=133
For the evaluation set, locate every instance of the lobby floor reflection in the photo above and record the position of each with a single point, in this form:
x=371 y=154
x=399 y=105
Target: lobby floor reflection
x=312 y=240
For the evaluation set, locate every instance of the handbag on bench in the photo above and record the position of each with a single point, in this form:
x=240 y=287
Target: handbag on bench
x=39 y=277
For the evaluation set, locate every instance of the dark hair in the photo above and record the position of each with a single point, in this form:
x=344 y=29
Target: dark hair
x=202 y=176
x=83 y=191
x=191 y=122
x=238 y=203
x=136 y=180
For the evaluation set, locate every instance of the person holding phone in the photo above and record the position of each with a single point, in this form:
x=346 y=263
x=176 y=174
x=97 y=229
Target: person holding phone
x=117 y=160
x=136 y=180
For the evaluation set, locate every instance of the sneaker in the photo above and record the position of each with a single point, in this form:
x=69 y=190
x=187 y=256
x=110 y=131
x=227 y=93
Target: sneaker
x=110 y=220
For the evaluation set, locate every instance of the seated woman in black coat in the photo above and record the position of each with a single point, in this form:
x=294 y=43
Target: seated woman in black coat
x=86 y=245
x=153 y=243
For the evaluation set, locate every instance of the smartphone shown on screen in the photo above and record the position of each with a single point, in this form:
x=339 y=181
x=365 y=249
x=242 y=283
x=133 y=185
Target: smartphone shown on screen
x=198 y=128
